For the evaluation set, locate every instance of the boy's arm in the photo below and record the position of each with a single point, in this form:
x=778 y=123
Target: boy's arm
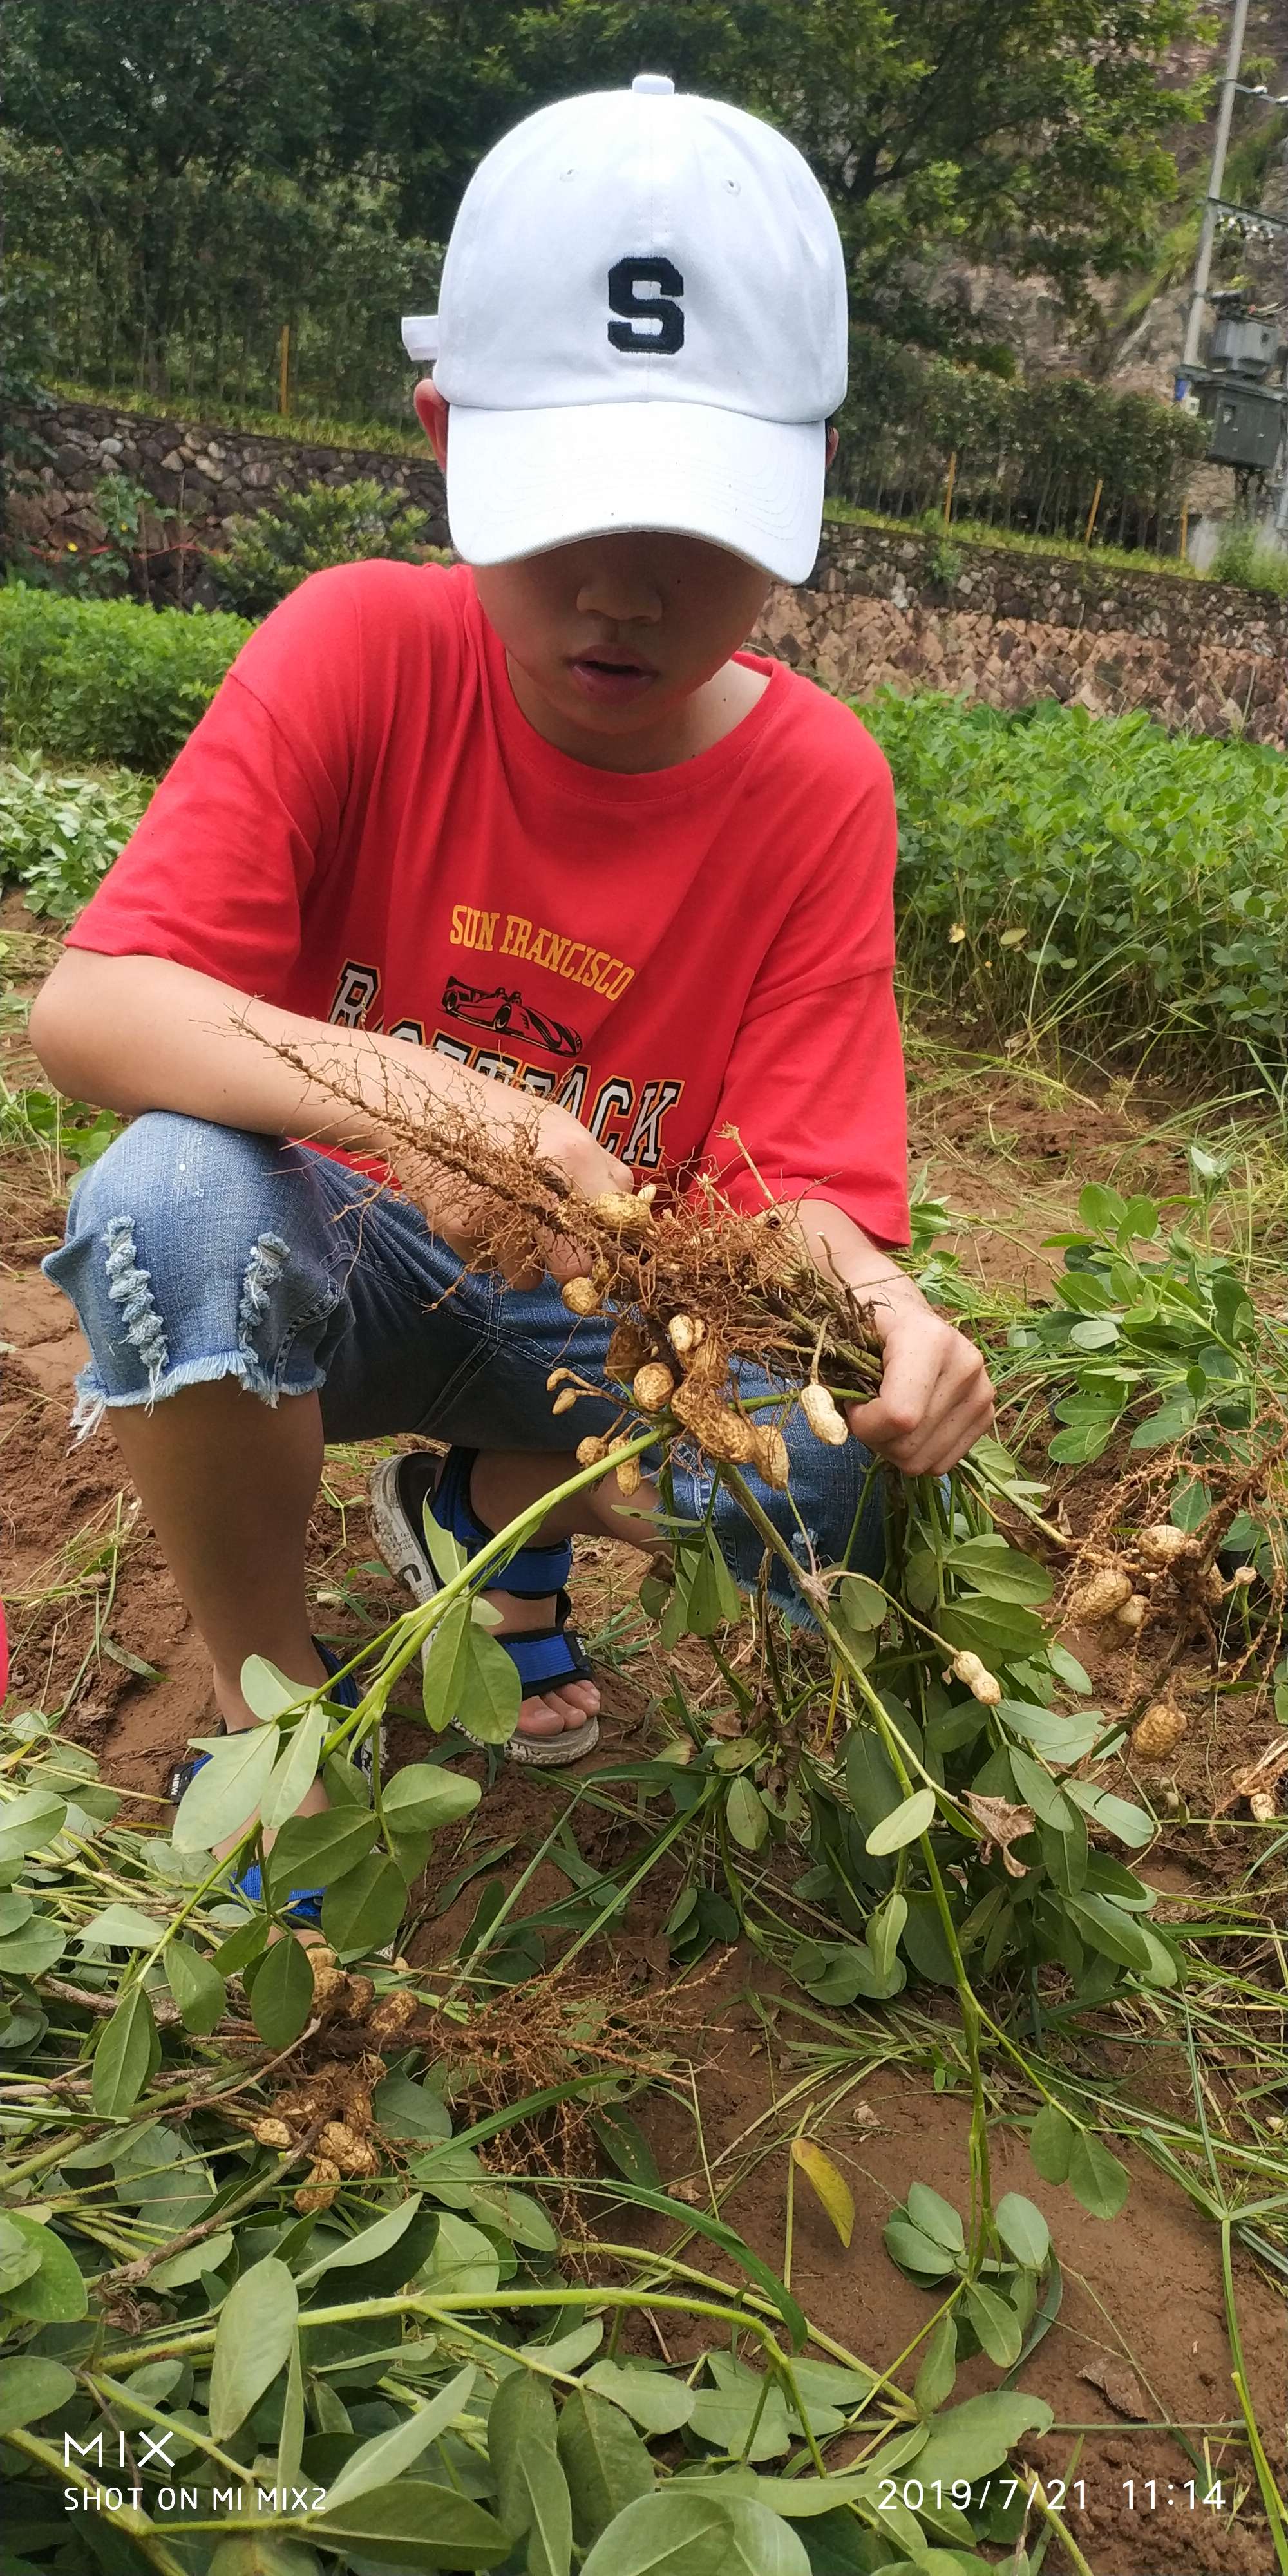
x=936 y=1398
x=139 y=1033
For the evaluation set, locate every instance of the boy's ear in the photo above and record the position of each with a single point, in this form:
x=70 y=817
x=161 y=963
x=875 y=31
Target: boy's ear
x=431 y=412
x=833 y=441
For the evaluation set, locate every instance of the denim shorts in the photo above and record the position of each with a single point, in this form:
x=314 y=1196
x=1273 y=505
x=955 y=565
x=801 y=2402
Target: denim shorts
x=196 y=1252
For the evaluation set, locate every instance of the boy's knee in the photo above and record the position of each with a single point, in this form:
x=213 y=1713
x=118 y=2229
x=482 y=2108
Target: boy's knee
x=164 y=1171
x=194 y=1251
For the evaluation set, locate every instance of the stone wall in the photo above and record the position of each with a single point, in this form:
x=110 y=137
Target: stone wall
x=199 y=477
x=882 y=606
x=902 y=610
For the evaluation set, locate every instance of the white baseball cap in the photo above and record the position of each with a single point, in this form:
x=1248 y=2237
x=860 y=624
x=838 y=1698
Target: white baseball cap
x=642 y=325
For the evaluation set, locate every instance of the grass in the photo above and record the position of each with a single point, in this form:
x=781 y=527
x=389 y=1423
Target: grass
x=976 y=533
x=385 y=437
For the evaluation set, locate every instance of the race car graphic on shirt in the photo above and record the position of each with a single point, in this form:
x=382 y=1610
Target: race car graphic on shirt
x=502 y=1008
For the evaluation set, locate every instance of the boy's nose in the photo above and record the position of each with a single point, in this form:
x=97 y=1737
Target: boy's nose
x=619 y=582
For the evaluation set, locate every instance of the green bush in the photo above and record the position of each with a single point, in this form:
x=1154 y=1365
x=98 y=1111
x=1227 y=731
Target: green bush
x=1028 y=455
x=1092 y=880
x=59 y=835
x=1244 y=556
x=90 y=680
x=304 y=532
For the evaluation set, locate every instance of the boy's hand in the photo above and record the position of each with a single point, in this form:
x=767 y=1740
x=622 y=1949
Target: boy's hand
x=471 y=1217
x=936 y=1397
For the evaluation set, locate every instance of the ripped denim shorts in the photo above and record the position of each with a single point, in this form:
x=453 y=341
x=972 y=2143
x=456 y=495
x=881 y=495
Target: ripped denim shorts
x=196 y=1252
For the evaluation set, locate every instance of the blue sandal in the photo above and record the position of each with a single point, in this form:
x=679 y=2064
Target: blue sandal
x=304 y=1904
x=402 y=1489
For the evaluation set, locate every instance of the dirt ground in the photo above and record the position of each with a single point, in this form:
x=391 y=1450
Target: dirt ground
x=100 y=1637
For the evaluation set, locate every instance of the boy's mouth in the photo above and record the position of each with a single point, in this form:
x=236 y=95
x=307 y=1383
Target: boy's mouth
x=611 y=678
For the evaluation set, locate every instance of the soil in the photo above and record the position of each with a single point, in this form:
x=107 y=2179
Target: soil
x=90 y=1602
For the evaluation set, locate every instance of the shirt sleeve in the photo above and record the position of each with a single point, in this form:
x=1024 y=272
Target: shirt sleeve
x=815 y=1085
x=218 y=873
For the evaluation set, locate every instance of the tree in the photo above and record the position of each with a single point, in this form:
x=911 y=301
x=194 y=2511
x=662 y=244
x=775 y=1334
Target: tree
x=133 y=97
x=201 y=163
x=1029 y=131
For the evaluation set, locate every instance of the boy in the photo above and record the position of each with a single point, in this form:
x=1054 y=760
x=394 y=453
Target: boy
x=534 y=817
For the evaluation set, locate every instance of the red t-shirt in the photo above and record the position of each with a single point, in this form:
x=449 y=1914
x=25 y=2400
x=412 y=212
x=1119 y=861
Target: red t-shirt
x=364 y=828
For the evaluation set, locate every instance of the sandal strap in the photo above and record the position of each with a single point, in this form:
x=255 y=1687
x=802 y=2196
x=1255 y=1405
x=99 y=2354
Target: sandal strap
x=547 y=1657
x=531 y=1572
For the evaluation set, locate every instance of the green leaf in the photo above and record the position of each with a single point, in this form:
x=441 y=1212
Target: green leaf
x=859 y=1604
x=296 y=1772
x=312 y=1851
x=196 y=1985
x=28 y=1823
x=33 y=1950
x=123 y=2055
x=282 y=1996
x=441 y=1666
x=121 y=1927
x=253 y=2341
x=914 y=1817
x=885 y=1930
x=532 y=2491
x=870 y=1777
x=624 y=2142
x=19 y=2254
x=30 y=2388
x=290 y=2444
x=364 y=2249
x=489 y=1691
x=604 y=2462
x=407 y=2110
x=995 y=2322
x=362 y=1910
x=745 y=1809
x=1102 y=1211
x=446 y=1552
x=1001 y=1573
x=1128 y=1823
x=55 y=2292
x=269 y=1692
x=411 y=2524
x=1051 y=2143
x=208 y=2256
x=937 y=2376
x=669 y=2533
x=936 y=2217
x=227 y=1790
x=243 y=1946
x=1023 y=2230
x=385 y=2457
x=565 y=2351
x=1096 y=2177
x=913 y=2252
x=423 y=1797
x=1109 y=1929
x=465 y=2262
x=972 y=2439
x=658 y=2403
x=1000 y=1629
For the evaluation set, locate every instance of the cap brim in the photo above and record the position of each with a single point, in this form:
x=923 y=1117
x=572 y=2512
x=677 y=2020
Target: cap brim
x=519 y=482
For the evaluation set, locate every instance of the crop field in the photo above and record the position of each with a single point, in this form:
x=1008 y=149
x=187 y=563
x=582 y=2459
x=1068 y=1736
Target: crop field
x=841 y=2127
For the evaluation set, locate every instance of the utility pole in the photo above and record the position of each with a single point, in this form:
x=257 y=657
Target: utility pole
x=1203 y=262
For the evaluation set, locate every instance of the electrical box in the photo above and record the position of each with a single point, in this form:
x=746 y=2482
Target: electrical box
x=1246 y=425
x=1248 y=347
